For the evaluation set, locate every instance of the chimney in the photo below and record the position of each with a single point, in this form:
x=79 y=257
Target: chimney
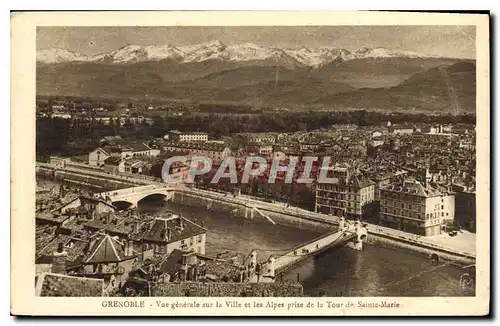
x=129 y=246
x=59 y=260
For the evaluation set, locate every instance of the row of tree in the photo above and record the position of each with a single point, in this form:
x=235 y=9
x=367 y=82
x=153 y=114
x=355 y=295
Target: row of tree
x=74 y=136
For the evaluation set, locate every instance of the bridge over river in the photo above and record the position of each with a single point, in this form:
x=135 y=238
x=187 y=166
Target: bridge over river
x=352 y=234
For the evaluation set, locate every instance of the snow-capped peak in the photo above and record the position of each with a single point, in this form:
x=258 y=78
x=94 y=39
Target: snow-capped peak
x=312 y=57
x=58 y=55
x=381 y=52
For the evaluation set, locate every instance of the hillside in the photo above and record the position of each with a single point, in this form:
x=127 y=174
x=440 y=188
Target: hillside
x=444 y=88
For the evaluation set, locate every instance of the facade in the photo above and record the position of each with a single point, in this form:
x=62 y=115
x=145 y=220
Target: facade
x=411 y=207
x=352 y=197
x=140 y=150
x=98 y=156
x=176 y=135
x=164 y=235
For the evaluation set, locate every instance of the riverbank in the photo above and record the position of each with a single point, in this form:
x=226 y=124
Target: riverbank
x=452 y=251
x=250 y=208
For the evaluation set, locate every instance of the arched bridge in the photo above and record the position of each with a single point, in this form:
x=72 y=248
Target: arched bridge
x=130 y=197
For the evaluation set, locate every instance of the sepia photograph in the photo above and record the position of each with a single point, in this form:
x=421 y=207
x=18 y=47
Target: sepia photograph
x=244 y=161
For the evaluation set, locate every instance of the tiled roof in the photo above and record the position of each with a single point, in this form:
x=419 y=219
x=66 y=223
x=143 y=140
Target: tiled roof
x=413 y=187
x=360 y=181
x=119 y=226
x=59 y=285
x=178 y=146
x=137 y=147
x=106 y=250
x=73 y=246
x=169 y=265
x=113 y=160
x=157 y=230
x=50 y=217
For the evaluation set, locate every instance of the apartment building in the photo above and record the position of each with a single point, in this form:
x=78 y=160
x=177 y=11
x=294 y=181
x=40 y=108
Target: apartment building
x=409 y=206
x=351 y=197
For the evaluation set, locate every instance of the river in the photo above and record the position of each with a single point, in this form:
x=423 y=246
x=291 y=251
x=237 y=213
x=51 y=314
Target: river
x=375 y=271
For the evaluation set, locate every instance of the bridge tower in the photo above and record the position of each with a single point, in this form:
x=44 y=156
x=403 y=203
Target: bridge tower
x=361 y=233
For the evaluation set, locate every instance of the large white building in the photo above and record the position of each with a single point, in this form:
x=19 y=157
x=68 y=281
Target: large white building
x=411 y=207
x=176 y=135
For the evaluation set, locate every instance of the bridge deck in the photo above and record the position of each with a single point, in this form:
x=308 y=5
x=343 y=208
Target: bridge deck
x=302 y=252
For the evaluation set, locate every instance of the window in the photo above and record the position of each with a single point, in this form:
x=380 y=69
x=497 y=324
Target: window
x=442 y=206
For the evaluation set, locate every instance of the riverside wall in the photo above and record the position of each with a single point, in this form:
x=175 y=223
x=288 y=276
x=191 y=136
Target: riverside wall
x=77 y=179
x=245 y=209
x=443 y=254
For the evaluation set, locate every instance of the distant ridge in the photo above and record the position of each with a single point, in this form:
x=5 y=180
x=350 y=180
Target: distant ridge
x=307 y=57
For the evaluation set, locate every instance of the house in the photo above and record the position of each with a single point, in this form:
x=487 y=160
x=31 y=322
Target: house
x=98 y=156
x=108 y=259
x=164 y=234
x=134 y=166
x=410 y=206
x=73 y=246
x=114 y=164
x=85 y=205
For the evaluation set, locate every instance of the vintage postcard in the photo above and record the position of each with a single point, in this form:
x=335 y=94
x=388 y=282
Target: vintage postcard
x=250 y=163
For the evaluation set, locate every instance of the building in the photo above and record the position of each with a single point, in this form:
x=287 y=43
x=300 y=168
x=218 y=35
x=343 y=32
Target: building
x=108 y=259
x=249 y=138
x=215 y=151
x=260 y=148
x=98 y=156
x=114 y=164
x=351 y=197
x=176 y=135
x=87 y=203
x=139 y=149
x=465 y=207
x=411 y=207
x=164 y=234
x=404 y=129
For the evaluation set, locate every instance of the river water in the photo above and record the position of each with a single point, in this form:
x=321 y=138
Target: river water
x=377 y=270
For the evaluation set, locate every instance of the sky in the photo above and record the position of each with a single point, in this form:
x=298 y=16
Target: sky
x=449 y=41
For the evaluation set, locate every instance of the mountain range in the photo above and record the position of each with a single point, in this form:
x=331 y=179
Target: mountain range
x=306 y=57
x=376 y=78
